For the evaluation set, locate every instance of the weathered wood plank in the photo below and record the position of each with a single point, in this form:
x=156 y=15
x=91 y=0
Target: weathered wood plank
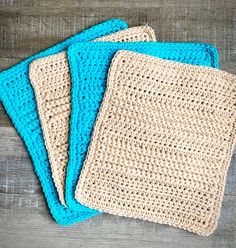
x=26 y=31
x=118 y=3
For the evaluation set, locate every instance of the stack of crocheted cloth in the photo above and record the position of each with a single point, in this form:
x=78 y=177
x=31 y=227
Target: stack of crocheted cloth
x=116 y=122
x=89 y=64
x=50 y=77
x=162 y=143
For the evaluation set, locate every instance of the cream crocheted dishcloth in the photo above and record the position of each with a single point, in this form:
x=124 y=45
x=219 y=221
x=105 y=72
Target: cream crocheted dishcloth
x=162 y=143
x=50 y=78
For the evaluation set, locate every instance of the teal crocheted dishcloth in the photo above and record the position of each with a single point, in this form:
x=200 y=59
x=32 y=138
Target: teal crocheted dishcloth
x=89 y=64
x=18 y=98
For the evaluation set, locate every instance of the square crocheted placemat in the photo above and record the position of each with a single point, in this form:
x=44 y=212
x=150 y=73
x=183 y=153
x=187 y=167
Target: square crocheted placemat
x=89 y=63
x=18 y=99
x=162 y=143
x=50 y=77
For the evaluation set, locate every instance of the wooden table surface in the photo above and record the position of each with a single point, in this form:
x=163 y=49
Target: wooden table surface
x=28 y=26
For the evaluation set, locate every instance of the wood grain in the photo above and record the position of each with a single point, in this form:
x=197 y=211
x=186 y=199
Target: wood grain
x=28 y=26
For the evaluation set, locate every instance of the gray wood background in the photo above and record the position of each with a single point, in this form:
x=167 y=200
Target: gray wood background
x=28 y=26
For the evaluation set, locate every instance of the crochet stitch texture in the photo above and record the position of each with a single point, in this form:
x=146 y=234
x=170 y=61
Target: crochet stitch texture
x=18 y=98
x=50 y=77
x=89 y=63
x=162 y=143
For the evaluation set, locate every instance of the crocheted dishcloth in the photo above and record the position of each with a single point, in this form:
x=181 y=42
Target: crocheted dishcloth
x=162 y=143
x=89 y=63
x=50 y=77
x=18 y=99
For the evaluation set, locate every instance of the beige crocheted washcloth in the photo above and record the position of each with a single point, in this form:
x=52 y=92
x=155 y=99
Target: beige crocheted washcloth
x=162 y=143
x=50 y=78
